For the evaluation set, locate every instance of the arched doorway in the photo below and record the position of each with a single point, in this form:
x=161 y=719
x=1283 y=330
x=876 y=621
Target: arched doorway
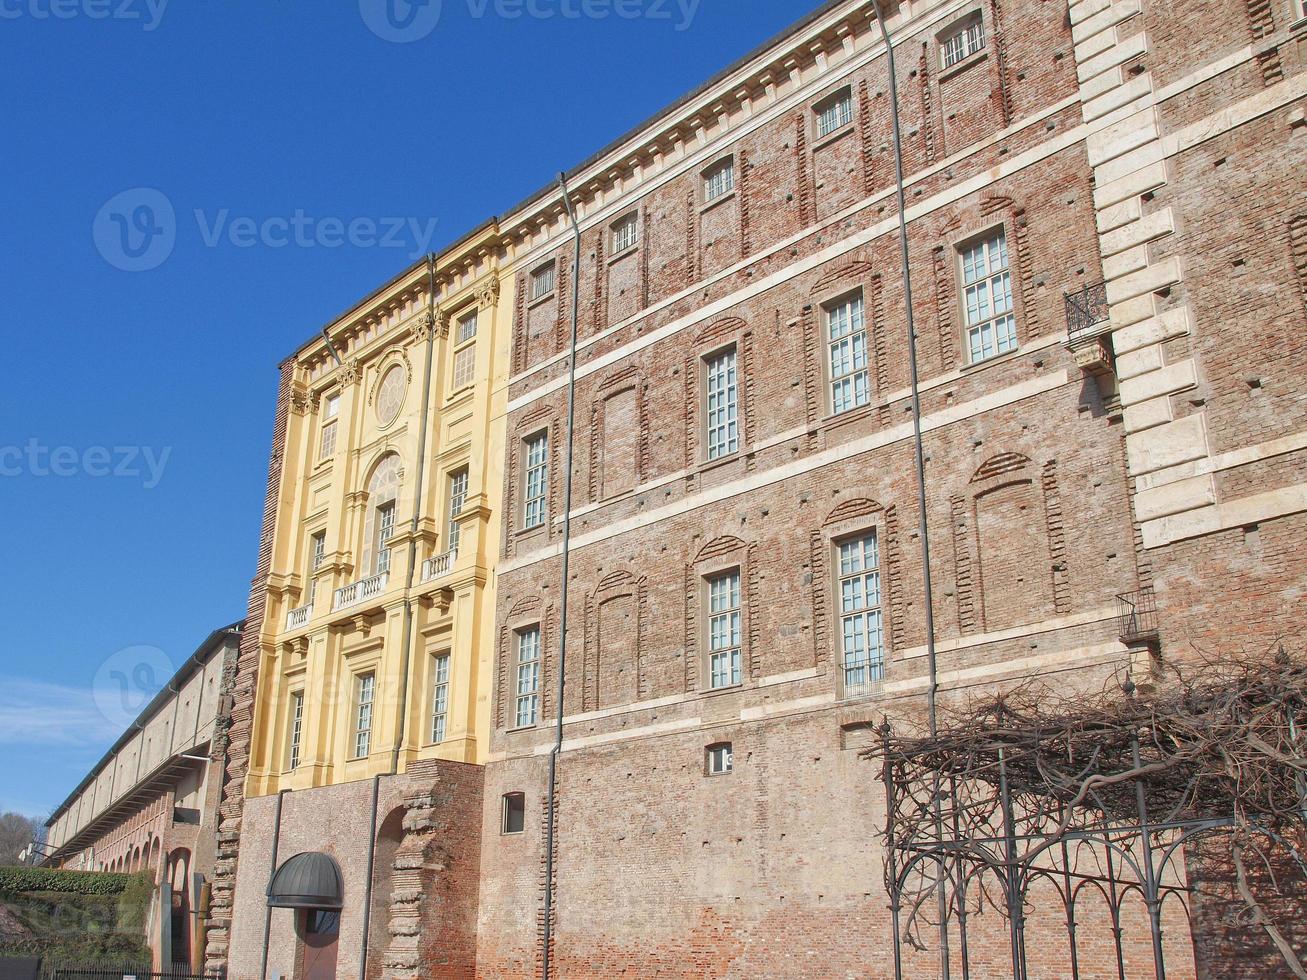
x=310 y=883
x=179 y=876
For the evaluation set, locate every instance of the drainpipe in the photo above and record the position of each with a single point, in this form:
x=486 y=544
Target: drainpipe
x=920 y=458
x=408 y=615
x=272 y=870
x=562 y=622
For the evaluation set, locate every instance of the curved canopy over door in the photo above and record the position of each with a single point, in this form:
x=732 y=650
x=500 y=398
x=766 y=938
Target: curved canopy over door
x=307 y=881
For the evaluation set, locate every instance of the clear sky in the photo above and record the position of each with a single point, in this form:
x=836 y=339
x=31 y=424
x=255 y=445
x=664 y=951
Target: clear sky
x=308 y=150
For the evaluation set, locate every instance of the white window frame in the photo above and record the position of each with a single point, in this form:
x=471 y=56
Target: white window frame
x=623 y=234
x=526 y=697
x=848 y=353
x=317 y=550
x=463 y=369
x=535 y=498
x=365 y=692
x=458 y=484
x=721 y=403
x=834 y=112
x=544 y=279
x=725 y=625
x=439 y=697
x=385 y=531
x=720 y=759
x=988 y=305
x=861 y=611
x=719 y=180
x=296 y=729
x=962 y=42
x=327 y=430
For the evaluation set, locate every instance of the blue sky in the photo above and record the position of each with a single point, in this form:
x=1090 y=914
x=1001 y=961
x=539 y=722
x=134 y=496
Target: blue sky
x=135 y=411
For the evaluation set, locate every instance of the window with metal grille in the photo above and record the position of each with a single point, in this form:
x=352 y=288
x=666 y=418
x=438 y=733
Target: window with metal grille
x=465 y=351
x=623 y=234
x=835 y=113
x=542 y=281
x=962 y=44
x=719 y=180
x=537 y=479
x=724 y=629
x=987 y=298
x=847 y=339
x=720 y=759
x=365 y=689
x=723 y=407
x=528 y=676
x=318 y=545
x=861 y=631
x=439 y=696
x=457 y=497
x=296 y=727
x=385 y=530
x=327 y=439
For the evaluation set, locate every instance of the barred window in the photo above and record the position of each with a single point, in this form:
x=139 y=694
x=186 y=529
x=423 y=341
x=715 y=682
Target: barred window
x=457 y=497
x=327 y=438
x=835 y=113
x=962 y=44
x=724 y=629
x=537 y=479
x=528 y=676
x=623 y=234
x=861 y=629
x=719 y=180
x=542 y=281
x=439 y=696
x=465 y=351
x=365 y=689
x=847 y=330
x=296 y=727
x=723 y=407
x=987 y=298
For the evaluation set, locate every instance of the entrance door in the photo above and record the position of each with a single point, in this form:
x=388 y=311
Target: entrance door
x=321 y=932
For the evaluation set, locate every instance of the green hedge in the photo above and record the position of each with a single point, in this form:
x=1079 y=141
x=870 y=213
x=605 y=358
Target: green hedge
x=50 y=880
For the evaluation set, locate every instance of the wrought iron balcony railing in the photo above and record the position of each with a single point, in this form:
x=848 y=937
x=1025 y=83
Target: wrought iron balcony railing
x=1136 y=616
x=1087 y=312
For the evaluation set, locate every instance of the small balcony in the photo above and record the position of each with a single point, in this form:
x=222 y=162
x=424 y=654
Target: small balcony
x=360 y=591
x=438 y=565
x=1087 y=313
x=1136 y=617
x=298 y=617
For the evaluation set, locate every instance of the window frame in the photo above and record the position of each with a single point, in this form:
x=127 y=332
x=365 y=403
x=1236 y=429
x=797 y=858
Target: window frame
x=317 y=550
x=724 y=164
x=828 y=308
x=961 y=249
x=464 y=349
x=384 y=532
x=540 y=519
x=536 y=275
x=327 y=426
x=361 y=734
x=723 y=751
x=440 y=696
x=733 y=615
x=517 y=797
x=874 y=666
x=454 y=505
x=713 y=451
x=961 y=28
x=295 y=733
x=617 y=245
x=530 y=699
x=827 y=102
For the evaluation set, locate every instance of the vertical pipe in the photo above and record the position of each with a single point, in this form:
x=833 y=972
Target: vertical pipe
x=367 y=885
x=550 y=830
x=272 y=870
x=891 y=845
x=932 y=688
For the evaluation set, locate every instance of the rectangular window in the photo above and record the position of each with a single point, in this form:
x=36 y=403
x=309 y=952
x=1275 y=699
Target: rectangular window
x=963 y=44
x=318 y=549
x=719 y=180
x=623 y=234
x=987 y=298
x=385 y=530
x=365 y=689
x=528 y=676
x=465 y=351
x=835 y=113
x=724 y=629
x=439 y=696
x=723 y=407
x=296 y=727
x=327 y=440
x=537 y=479
x=720 y=759
x=847 y=330
x=457 y=497
x=542 y=281
x=862 y=636
x=514 y=813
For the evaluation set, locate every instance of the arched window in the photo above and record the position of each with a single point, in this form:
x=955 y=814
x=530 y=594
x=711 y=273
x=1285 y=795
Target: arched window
x=379 y=526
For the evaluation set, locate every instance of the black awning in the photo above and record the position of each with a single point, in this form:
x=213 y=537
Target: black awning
x=307 y=881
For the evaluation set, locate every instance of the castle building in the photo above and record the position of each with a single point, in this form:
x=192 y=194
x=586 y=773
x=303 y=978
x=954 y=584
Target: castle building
x=691 y=575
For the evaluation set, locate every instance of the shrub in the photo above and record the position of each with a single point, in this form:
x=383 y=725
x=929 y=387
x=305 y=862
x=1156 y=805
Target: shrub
x=50 y=880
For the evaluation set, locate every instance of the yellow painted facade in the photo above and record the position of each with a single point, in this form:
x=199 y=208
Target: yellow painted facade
x=380 y=609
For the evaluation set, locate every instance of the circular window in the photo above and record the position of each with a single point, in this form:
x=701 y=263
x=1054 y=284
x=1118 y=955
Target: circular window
x=390 y=396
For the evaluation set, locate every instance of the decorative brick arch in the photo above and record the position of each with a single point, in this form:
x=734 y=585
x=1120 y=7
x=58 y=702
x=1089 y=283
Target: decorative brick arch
x=618 y=586
x=632 y=379
x=721 y=553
